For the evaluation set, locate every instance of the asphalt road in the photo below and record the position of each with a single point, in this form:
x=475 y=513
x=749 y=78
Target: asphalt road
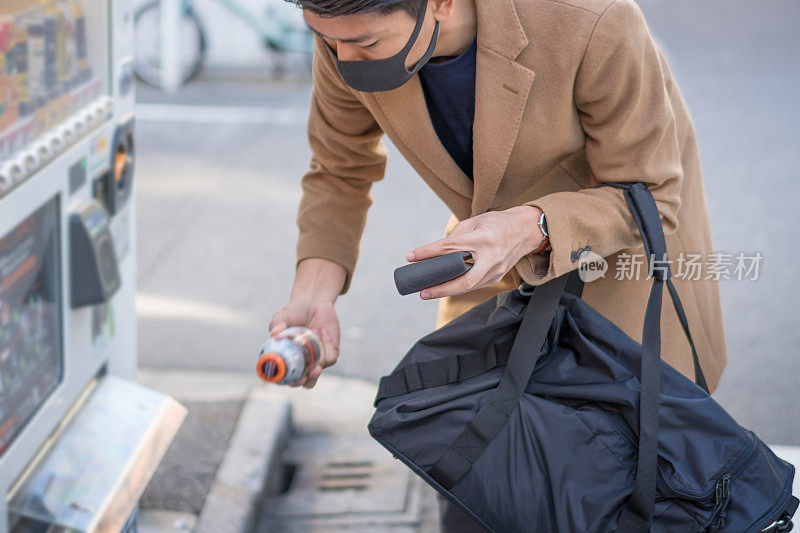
x=217 y=192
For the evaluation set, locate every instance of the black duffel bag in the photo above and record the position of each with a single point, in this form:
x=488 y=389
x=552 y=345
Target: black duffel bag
x=533 y=412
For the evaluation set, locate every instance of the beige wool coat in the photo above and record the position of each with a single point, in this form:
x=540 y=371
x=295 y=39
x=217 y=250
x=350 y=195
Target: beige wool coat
x=569 y=94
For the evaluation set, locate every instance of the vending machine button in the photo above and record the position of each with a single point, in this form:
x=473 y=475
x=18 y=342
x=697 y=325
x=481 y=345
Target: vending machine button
x=6 y=181
x=78 y=127
x=109 y=106
x=67 y=135
x=100 y=114
x=43 y=151
x=29 y=161
x=55 y=142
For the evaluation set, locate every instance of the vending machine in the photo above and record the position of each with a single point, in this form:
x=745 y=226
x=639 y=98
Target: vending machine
x=79 y=439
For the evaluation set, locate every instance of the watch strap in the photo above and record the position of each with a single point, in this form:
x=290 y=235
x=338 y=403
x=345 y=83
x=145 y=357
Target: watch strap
x=545 y=242
x=542 y=245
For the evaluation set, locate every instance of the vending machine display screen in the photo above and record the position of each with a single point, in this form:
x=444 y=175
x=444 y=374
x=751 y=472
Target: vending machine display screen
x=31 y=358
x=53 y=63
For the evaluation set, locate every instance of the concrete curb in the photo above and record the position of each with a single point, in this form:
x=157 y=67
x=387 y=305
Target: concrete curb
x=261 y=432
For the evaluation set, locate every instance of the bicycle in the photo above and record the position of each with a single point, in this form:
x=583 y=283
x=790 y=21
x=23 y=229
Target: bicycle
x=277 y=32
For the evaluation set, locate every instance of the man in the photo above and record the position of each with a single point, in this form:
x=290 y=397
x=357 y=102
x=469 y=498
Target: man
x=513 y=112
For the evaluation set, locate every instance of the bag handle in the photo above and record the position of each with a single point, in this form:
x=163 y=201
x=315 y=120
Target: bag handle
x=494 y=413
x=445 y=370
x=457 y=367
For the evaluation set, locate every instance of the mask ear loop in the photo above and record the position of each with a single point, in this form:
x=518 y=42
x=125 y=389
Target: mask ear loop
x=428 y=53
x=414 y=34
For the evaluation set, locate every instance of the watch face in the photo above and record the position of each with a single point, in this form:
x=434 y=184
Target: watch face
x=543 y=224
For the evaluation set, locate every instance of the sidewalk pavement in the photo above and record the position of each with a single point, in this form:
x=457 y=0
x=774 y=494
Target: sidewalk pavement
x=256 y=457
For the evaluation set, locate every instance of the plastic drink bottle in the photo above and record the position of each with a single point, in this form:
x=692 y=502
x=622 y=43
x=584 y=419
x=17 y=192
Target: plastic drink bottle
x=289 y=355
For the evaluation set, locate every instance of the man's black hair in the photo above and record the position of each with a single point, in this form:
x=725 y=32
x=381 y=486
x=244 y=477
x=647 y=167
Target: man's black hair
x=338 y=8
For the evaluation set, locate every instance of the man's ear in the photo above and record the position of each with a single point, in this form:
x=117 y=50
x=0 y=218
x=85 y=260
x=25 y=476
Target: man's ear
x=443 y=9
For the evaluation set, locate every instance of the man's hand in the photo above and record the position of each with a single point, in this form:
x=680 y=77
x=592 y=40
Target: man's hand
x=318 y=316
x=496 y=240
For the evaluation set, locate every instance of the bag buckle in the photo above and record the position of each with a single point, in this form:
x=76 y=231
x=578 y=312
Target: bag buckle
x=526 y=289
x=780 y=525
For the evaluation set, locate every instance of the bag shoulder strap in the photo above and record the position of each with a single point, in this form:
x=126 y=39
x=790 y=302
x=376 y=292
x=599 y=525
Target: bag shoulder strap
x=645 y=213
x=638 y=514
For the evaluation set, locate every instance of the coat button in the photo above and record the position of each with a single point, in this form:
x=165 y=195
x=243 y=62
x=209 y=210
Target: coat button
x=576 y=254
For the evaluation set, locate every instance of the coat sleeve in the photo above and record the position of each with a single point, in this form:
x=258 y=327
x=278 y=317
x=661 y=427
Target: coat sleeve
x=348 y=156
x=621 y=96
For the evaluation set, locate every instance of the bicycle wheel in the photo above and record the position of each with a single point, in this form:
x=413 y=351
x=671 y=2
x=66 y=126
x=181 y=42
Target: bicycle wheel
x=295 y=56
x=286 y=35
x=192 y=44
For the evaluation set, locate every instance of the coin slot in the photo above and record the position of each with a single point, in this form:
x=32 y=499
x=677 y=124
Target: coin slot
x=121 y=161
x=121 y=167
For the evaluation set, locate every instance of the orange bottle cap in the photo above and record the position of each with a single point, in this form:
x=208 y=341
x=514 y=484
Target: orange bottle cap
x=271 y=367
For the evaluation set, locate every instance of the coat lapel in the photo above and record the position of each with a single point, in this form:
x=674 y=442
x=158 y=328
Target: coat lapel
x=407 y=114
x=501 y=90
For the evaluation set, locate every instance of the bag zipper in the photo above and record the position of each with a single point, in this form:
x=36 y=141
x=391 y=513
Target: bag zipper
x=720 y=490
x=732 y=470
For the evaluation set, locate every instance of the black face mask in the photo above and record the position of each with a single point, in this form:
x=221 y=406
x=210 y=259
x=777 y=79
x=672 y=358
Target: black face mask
x=370 y=75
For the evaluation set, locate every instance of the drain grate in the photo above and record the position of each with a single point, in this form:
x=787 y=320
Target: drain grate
x=343 y=482
x=348 y=475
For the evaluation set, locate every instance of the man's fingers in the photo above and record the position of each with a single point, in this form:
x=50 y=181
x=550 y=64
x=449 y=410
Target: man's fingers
x=291 y=315
x=450 y=288
x=459 y=285
x=460 y=238
x=329 y=348
x=313 y=376
x=434 y=249
x=277 y=328
x=441 y=247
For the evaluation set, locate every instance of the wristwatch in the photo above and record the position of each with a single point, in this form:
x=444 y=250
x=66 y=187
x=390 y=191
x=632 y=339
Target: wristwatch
x=546 y=239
